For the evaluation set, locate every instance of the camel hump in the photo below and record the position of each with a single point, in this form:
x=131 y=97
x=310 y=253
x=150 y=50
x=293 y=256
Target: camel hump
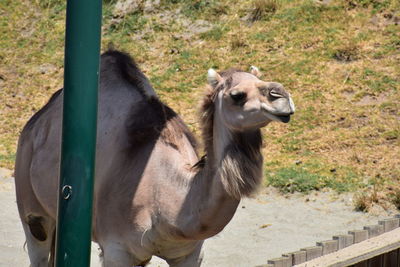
x=120 y=65
x=29 y=125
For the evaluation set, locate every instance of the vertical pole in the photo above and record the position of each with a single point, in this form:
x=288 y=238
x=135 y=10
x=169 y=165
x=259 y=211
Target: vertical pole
x=81 y=76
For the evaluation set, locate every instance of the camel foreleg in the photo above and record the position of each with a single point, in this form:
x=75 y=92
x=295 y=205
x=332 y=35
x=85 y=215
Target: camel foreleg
x=193 y=259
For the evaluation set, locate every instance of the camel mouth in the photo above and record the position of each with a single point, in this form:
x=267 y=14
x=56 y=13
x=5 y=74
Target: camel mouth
x=283 y=118
x=276 y=117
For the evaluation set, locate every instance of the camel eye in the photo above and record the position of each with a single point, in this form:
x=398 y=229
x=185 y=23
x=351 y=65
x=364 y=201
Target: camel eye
x=238 y=96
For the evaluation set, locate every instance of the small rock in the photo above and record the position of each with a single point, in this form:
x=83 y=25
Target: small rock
x=311 y=199
x=174 y=51
x=1 y=81
x=123 y=8
x=27 y=32
x=265 y=225
x=298 y=162
x=333 y=170
x=323 y=2
x=200 y=26
x=46 y=68
x=151 y=6
x=193 y=28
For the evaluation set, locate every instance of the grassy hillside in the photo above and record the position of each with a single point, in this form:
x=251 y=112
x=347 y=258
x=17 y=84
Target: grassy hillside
x=339 y=59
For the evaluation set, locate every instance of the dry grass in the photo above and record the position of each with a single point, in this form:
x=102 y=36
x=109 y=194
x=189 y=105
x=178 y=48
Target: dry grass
x=262 y=9
x=347 y=53
x=341 y=65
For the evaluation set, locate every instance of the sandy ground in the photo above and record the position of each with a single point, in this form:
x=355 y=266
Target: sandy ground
x=263 y=227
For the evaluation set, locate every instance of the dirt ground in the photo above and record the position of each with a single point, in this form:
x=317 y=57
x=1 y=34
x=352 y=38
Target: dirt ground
x=264 y=227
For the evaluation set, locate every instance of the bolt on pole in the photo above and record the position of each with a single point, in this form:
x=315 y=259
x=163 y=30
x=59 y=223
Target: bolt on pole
x=81 y=78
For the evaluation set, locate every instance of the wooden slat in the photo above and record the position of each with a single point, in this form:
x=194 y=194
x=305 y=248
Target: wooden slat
x=374 y=230
x=313 y=252
x=376 y=261
x=344 y=240
x=328 y=246
x=361 y=264
x=297 y=257
x=359 y=235
x=390 y=224
x=398 y=255
x=281 y=262
x=359 y=252
x=391 y=259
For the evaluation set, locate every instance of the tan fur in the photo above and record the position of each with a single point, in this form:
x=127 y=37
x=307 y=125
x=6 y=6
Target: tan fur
x=241 y=168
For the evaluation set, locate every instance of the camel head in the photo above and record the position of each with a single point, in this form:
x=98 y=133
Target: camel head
x=244 y=102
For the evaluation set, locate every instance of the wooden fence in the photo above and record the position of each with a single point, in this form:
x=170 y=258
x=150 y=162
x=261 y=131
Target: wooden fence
x=373 y=246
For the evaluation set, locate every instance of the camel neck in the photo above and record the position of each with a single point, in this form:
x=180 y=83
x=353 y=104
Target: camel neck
x=233 y=169
x=236 y=159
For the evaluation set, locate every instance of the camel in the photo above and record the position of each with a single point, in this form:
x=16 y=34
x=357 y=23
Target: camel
x=153 y=194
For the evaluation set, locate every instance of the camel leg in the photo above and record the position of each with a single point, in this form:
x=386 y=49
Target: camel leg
x=116 y=255
x=39 y=238
x=193 y=259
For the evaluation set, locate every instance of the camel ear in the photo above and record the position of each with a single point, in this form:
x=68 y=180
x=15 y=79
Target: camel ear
x=255 y=71
x=213 y=78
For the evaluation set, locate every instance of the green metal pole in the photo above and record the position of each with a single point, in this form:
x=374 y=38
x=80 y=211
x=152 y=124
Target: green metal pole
x=81 y=77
